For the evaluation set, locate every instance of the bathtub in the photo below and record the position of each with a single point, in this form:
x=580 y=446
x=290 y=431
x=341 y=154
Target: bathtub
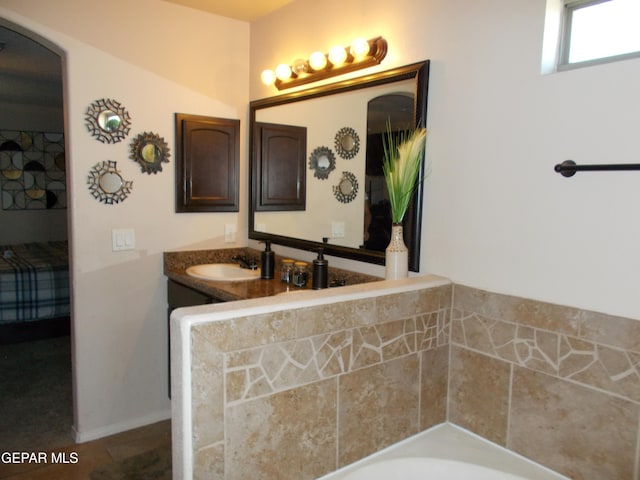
x=444 y=452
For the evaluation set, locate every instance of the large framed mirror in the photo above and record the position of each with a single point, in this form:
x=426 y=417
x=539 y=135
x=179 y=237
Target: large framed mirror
x=358 y=229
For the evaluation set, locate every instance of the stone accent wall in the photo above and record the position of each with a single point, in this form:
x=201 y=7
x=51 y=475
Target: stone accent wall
x=296 y=394
x=556 y=384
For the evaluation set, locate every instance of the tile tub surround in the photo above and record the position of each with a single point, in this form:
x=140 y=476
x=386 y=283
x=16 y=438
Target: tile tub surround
x=556 y=384
x=297 y=386
x=176 y=263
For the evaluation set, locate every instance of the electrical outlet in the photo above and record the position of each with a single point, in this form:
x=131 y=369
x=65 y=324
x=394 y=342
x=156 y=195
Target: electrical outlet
x=229 y=233
x=337 y=229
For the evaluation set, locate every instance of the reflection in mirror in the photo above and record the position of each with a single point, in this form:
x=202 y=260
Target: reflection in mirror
x=396 y=111
x=322 y=162
x=347 y=189
x=110 y=182
x=347 y=143
x=107 y=120
x=350 y=101
x=150 y=151
x=106 y=184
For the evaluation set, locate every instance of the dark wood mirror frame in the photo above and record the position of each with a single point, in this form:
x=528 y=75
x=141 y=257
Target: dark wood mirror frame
x=419 y=72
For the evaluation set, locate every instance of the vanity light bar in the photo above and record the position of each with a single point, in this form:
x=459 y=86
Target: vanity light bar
x=360 y=54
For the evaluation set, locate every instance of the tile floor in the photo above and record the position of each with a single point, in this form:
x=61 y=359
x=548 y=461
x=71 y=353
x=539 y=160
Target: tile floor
x=91 y=455
x=36 y=414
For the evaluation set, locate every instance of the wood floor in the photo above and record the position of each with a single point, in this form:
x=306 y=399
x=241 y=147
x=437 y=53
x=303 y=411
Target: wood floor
x=36 y=418
x=88 y=456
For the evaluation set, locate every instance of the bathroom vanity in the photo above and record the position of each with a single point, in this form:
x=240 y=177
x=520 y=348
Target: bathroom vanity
x=184 y=290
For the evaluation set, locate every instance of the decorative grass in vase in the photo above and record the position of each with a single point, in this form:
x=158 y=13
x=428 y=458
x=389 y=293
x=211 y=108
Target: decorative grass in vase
x=403 y=155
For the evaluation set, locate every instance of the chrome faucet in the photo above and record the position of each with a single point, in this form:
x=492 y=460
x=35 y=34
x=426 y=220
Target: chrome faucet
x=244 y=262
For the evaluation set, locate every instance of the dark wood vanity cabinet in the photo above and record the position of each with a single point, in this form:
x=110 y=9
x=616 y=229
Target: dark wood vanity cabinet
x=178 y=296
x=207 y=164
x=280 y=167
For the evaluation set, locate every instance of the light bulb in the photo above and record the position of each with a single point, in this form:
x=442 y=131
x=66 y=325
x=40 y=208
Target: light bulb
x=283 y=71
x=268 y=77
x=337 y=55
x=317 y=61
x=359 y=48
x=299 y=66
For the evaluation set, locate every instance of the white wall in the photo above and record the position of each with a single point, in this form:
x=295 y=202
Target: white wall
x=496 y=215
x=156 y=59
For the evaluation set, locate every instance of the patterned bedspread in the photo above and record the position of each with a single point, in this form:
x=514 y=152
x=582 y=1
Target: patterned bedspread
x=34 y=281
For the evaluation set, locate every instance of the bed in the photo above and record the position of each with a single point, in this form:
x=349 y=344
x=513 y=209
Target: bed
x=34 y=288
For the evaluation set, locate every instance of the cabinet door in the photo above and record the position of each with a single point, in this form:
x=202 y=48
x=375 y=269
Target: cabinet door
x=281 y=167
x=207 y=164
x=180 y=296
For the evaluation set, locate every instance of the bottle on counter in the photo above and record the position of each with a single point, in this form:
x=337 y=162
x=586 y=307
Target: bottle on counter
x=286 y=271
x=320 y=276
x=267 y=261
x=300 y=274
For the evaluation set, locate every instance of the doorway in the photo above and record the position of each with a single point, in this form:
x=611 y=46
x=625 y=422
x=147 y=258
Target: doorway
x=35 y=351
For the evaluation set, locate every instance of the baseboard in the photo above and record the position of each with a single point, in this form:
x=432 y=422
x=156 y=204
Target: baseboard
x=88 y=435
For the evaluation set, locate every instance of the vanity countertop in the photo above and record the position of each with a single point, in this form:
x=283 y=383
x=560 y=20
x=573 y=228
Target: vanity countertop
x=176 y=264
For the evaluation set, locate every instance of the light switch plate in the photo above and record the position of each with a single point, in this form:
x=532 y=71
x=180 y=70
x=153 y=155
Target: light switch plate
x=123 y=239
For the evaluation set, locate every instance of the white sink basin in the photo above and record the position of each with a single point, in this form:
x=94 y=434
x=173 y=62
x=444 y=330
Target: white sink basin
x=224 y=272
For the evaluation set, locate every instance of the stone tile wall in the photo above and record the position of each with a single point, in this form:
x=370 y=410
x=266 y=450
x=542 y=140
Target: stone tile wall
x=296 y=394
x=556 y=384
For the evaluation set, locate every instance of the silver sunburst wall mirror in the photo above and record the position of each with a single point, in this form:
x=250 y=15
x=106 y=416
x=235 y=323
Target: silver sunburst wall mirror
x=347 y=143
x=150 y=151
x=107 y=120
x=106 y=184
x=322 y=161
x=347 y=189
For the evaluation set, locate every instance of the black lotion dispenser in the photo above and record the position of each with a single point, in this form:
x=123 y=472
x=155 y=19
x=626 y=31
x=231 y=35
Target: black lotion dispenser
x=320 y=276
x=267 y=261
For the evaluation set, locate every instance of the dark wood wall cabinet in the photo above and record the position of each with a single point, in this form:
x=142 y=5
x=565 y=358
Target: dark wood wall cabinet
x=207 y=163
x=280 y=167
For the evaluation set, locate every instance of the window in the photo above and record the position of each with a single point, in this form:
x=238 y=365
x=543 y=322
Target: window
x=597 y=31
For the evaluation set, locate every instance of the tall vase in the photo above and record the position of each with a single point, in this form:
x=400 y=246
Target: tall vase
x=396 y=255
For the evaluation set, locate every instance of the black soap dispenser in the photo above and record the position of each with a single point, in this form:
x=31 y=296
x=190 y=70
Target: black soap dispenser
x=267 y=262
x=320 y=276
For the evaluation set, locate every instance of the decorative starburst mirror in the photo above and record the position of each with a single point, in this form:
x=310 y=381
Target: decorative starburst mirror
x=347 y=143
x=322 y=162
x=150 y=151
x=347 y=188
x=106 y=184
x=107 y=120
